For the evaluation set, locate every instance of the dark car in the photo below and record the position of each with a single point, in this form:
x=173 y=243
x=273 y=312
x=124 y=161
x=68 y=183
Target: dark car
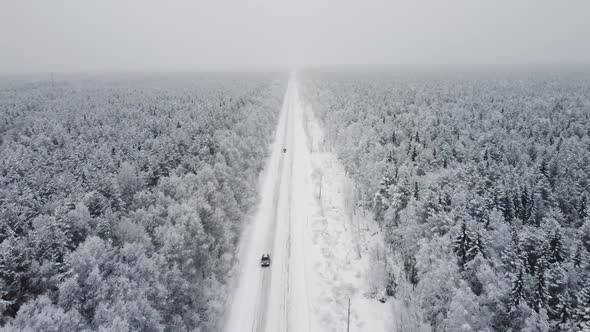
x=265 y=260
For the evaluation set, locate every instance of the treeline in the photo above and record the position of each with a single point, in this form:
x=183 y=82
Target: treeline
x=481 y=184
x=122 y=198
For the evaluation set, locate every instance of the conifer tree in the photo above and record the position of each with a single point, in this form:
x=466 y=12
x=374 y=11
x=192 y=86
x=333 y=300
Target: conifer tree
x=556 y=287
x=532 y=214
x=382 y=197
x=505 y=205
x=525 y=204
x=385 y=184
x=540 y=291
x=477 y=247
x=583 y=208
x=517 y=205
x=583 y=308
x=543 y=168
x=577 y=259
x=517 y=294
x=414 y=153
x=556 y=252
x=565 y=313
x=463 y=244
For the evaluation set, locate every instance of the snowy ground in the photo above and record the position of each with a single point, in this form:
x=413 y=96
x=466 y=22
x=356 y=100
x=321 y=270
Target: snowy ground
x=323 y=253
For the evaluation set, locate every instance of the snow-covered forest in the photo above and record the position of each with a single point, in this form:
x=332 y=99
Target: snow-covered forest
x=480 y=183
x=122 y=197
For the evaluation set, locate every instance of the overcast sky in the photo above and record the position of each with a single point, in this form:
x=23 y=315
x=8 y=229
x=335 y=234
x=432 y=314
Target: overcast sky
x=119 y=35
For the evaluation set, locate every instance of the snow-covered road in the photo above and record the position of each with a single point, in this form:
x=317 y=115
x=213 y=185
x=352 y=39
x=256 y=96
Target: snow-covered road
x=263 y=298
x=294 y=294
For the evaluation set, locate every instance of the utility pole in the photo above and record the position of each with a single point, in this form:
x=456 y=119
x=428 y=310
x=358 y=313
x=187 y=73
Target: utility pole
x=348 y=320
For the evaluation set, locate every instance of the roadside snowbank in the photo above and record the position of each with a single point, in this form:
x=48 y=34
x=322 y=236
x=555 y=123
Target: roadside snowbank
x=345 y=249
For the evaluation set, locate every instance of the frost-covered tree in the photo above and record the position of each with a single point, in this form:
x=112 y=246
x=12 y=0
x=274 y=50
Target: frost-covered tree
x=477 y=247
x=540 y=291
x=555 y=252
x=517 y=294
x=95 y=172
x=382 y=197
x=462 y=245
x=511 y=161
x=583 y=208
x=582 y=314
x=42 y=315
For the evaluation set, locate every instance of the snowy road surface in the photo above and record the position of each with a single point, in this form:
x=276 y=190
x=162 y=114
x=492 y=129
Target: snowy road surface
x=300 y=291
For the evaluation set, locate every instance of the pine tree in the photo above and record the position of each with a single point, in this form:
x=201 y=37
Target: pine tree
x=553 y=172
x=414 y=153
x=495 y=200
x=577 y=259
x=477 y=247
x=543 y=168
x=511 y=254
x=416 y=191
x=532 y=214
x=583 y=308
x=517 y=294
x=104 y=228
x=556 y=252
x=517 y=205
x=16 y=261
x=505 y=206
x=556 y=288
x=525 y=204
x=385 y=184
x=583 y=208
x=540 y=292
x=564 y=311
x=463 y=244
x=544 y=188
x=382 y=197
x=50 y=239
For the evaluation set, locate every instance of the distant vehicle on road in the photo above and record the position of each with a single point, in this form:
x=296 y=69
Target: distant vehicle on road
x=265 y=260
x=284 y=150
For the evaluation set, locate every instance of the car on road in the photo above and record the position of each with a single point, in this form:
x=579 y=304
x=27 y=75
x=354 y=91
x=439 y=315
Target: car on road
x=265 y=260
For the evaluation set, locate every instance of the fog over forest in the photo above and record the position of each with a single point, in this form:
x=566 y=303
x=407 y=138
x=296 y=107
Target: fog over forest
x=110 y=35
